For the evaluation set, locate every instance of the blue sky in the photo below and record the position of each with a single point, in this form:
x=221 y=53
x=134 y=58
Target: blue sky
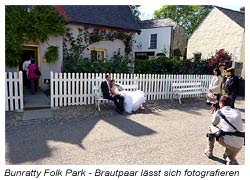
x=147 y=10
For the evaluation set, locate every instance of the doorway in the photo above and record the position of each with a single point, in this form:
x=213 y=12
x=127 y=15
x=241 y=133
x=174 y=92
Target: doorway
x=28 y=52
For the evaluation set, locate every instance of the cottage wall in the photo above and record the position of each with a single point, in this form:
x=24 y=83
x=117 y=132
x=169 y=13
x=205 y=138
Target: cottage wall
x=111 y=46
x=46 y=67
x=242 y=56
x=142 y=41
x=216 y=32
x=10 y=69
x=180 y=40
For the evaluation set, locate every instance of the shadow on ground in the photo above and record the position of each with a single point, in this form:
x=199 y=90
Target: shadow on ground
x=30 y=143
x=73 y=124
x=188 y=105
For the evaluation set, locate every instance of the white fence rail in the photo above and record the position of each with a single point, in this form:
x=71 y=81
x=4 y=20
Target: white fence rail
x=69 y=89
x=13 y=91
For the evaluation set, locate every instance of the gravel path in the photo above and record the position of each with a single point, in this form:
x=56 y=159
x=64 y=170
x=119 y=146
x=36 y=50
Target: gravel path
x=163 y=133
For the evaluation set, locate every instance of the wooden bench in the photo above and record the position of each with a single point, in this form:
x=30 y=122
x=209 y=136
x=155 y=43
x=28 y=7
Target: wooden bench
x=187 y=88
x=98 y=95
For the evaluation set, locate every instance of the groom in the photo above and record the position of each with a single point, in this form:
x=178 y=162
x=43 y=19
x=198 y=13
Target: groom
x=118 y=100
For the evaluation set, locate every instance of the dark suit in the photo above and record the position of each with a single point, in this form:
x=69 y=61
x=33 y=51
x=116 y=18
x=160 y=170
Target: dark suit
x=231 y=87
x=118 y=100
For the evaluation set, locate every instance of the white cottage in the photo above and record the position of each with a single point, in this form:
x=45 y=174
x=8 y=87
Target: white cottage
x=159 y=37
x=108 y=18
x=221 y=29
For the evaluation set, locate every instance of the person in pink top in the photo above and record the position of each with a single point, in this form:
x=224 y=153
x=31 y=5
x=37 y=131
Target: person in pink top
x=33 y=78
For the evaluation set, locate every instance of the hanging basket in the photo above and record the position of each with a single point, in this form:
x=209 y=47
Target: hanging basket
x=52 y=54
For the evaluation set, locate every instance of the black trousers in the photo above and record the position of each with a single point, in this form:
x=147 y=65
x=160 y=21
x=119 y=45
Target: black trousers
x=118 y=100
x=26 y=82
x=33 y=85
x=233 y=97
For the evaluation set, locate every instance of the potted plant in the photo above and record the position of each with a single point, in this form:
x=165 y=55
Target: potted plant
x=52 y=54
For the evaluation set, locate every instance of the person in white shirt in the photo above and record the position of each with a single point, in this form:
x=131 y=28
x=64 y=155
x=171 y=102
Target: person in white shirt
x=232 y=143
x=26 y=63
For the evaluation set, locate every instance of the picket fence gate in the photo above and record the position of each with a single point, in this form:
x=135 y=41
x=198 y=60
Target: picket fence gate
x=13 y=91
x=69 y=89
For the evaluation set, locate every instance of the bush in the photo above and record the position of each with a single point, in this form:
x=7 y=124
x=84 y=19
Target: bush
x=116 y=64
x=221 y=56
x=164 y=65
x=52 y=54
x=119 y=64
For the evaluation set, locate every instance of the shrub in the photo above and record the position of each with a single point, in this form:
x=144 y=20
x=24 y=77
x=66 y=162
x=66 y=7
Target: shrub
x=116 y=64
x=164 y=65
x=221 y=56
x=52 y=54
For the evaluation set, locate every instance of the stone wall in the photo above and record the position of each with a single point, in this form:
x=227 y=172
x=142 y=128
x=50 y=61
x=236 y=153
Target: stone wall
x=216 y=32
x=180 y=40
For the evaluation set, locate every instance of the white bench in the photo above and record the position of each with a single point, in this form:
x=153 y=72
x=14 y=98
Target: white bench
x=187 y=88
x=98 y=95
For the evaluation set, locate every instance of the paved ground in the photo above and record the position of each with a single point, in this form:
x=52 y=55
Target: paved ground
x=38 y=100
x=164 y=133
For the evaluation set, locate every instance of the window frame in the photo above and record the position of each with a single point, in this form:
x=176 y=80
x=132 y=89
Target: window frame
x=153 y=41
x=100 y=50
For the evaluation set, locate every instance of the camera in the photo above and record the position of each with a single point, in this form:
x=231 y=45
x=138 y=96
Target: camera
x=216 y=105
x=216 y=135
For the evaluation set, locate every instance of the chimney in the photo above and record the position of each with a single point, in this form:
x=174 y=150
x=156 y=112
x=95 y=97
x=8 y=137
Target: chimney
x=242 y=9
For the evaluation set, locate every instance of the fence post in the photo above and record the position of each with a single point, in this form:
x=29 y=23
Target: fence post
x=51 y=90
x=66 y=89
x=6 y=93
x=14 y=91
x=21 y=89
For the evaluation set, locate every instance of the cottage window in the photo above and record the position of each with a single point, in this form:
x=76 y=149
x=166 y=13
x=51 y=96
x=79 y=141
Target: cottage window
x=153 y=41
x=98 y=54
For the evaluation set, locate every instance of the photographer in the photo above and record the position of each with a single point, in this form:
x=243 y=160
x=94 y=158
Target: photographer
x=229 y=131
x=231 y=85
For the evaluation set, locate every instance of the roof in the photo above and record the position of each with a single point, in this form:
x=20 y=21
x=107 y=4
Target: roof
x=114 y=16
x=236 y=16
x=155 y=23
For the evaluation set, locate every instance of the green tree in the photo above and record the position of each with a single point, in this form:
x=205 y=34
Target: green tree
x=136 y=12
x=29 y=23
x=189 y=17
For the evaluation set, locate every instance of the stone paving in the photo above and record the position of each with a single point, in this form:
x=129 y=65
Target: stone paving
x=165 y=132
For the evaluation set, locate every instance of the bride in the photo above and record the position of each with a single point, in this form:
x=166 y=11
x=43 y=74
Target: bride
x=133 y=100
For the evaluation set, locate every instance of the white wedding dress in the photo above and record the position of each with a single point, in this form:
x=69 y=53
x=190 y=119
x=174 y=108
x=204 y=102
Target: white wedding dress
x=133 y=100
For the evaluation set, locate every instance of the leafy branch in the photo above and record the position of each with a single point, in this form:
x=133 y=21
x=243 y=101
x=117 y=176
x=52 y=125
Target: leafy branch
x=29 y=23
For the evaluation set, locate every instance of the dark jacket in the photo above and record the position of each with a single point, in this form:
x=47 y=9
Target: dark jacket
x=231 y=85
x=105 y=90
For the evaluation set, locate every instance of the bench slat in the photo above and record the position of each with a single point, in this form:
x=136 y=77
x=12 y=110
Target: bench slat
x=187 y=88
x=186 y=84
x=191 y=92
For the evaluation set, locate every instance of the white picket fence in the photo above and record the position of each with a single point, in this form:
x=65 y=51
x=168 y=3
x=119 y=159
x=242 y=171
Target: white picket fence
x=13 y=91
x=69 y=89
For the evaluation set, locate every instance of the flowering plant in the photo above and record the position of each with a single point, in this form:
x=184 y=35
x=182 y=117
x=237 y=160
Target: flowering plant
x=221 y=56
x=104 y=34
